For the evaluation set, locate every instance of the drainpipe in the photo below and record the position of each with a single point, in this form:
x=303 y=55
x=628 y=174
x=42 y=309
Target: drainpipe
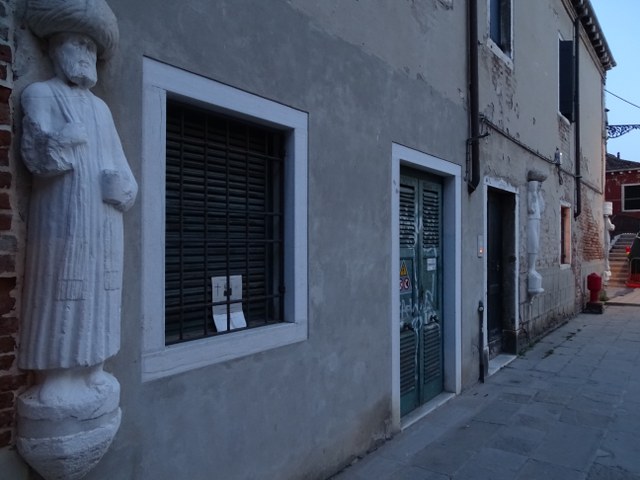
x=576 y=103
x=481 y=340
x=473 y=146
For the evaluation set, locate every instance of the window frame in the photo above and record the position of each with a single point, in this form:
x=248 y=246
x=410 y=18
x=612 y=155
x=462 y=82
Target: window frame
x=159 y=82
x=624 y=196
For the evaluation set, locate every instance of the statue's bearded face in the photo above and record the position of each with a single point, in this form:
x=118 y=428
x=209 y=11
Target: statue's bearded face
x=74 y=58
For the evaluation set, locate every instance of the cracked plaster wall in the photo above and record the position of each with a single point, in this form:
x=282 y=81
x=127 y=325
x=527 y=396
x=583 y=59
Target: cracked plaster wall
x=517 y=95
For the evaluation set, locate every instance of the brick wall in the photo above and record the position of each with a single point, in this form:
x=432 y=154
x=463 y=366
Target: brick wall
x=592 y=230
x=12 y=381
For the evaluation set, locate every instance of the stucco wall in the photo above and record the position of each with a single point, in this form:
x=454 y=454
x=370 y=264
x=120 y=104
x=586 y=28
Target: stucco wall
x=308 y=407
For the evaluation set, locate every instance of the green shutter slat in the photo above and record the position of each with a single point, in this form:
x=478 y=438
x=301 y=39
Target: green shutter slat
x=407 y=216
x=430 y=219
x=407 y=361
x=432 y=352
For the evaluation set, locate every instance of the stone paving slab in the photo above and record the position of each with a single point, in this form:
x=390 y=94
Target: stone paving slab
x=569 y=408
x=629 y=297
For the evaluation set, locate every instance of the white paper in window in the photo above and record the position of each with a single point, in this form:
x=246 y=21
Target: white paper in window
x=218 y=287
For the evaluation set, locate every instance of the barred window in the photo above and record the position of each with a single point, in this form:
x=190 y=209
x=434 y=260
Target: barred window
x=223 y=222
x=224 y=237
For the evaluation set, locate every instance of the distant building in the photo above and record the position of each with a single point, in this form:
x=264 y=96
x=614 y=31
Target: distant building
x=623 y=191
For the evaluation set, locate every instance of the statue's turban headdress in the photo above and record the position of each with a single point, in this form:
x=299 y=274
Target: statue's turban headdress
x=93 y=18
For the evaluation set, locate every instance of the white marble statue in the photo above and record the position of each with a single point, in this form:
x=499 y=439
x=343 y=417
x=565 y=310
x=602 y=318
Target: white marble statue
x=73 y=277
x=607 y=210
x=535 y=207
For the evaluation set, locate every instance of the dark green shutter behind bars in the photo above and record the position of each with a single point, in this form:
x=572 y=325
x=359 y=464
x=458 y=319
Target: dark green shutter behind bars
x=224 y=217
x=421 y=376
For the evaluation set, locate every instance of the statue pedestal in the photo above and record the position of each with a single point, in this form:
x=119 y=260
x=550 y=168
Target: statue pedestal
x=534 y=286
x=594 y=307
x=64 y=433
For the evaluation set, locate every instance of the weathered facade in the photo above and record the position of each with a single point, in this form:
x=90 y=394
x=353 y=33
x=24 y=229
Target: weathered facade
x=385 y=153
x=525 y=88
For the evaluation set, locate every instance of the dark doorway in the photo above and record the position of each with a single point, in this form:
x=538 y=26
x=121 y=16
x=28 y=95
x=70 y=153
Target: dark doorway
x=501 y=275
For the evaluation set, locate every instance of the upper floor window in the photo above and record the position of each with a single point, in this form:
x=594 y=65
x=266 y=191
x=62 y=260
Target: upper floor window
x=566 y=80
x=631 y=197
x=500 y=24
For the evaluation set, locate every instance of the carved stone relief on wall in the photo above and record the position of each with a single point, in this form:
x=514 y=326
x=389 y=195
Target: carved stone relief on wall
x=82 y=184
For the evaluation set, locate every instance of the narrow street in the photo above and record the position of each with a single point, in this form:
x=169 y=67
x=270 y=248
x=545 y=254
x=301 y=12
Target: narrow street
x=569 y=408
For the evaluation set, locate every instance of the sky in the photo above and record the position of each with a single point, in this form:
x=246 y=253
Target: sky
x=620 y=22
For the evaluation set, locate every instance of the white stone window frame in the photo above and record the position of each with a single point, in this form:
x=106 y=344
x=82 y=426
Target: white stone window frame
x=159 y=82
x=505 y=56
x=623 y=191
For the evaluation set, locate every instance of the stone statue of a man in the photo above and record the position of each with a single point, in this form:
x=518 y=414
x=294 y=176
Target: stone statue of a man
x=535 y=207
x=81 y=185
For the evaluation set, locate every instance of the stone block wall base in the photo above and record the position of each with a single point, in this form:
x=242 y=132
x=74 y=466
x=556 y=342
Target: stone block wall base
x=594 y=307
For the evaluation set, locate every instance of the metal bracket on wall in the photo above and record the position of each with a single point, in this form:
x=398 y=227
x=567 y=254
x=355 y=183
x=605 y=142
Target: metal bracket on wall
x=615 y=131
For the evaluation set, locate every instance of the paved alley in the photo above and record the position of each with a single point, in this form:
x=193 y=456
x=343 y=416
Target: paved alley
x=569 y=408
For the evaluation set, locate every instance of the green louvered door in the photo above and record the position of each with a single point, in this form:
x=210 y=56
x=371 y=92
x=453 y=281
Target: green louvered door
x=421 y=375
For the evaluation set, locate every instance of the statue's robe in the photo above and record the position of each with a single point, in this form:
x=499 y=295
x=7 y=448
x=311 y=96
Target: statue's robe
x=73 y=274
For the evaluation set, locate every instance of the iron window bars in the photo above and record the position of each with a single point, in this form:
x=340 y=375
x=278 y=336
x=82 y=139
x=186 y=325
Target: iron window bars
x=224 y=217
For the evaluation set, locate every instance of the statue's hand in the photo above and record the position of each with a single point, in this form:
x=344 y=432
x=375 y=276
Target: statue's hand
x=72 y=134
x=116 y=190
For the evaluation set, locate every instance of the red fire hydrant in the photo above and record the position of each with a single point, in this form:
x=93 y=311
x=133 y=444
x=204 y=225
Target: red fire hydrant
x=594 y=285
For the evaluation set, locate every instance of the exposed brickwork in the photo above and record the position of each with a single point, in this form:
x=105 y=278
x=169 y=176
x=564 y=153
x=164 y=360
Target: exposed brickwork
x=4 y=156
x=12 y=380
x=592 y=239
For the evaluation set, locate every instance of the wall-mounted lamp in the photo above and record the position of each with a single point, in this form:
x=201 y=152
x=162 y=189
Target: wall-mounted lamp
x=557 y=161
